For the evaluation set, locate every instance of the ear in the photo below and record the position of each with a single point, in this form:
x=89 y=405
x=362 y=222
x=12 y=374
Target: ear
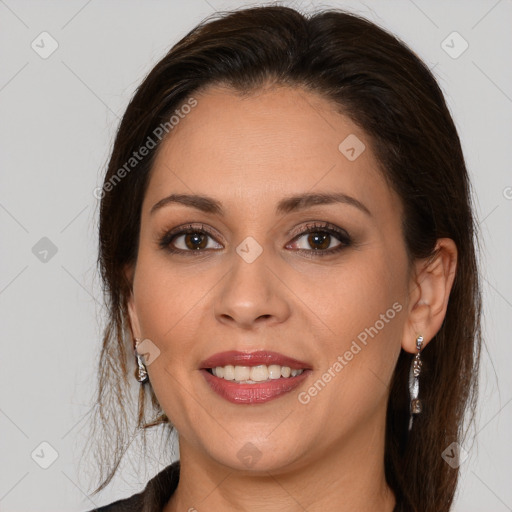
x=132 y=312
x=430 y=287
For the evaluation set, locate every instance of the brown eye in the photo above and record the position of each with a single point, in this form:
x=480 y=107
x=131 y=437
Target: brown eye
x=320 y=239
x=193 y=241
x=189 y=239
x=317 y=241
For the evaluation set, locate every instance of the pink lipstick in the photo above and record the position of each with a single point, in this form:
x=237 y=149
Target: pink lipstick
x=253 y=377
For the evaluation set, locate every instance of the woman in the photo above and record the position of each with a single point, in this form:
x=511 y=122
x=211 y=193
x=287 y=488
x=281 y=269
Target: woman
x=286 y=243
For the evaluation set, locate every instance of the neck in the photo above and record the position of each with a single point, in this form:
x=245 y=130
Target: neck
x=345 y=478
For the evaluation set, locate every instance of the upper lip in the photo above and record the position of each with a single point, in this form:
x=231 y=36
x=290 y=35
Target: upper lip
x=260 y=357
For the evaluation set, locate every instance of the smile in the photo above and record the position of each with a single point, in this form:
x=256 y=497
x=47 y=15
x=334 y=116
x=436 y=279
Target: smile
x=253 y=378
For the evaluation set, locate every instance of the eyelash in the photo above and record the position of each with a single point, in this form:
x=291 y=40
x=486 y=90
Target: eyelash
x=341 y=235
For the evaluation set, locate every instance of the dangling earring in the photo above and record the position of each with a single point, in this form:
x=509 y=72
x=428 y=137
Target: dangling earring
x=414 y=381
x=141 y=373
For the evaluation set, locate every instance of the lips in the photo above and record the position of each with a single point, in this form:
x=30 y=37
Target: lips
x=256 y=392
x=236 y=358
x=259 y=393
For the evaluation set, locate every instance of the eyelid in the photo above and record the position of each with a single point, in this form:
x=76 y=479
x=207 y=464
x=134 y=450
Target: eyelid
x=190 y=227
x=311 y=226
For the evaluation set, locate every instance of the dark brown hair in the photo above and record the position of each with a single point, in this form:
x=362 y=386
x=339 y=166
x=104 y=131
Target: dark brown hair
x=376 y=80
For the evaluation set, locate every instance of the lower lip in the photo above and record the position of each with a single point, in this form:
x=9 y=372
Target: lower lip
x=253 y=393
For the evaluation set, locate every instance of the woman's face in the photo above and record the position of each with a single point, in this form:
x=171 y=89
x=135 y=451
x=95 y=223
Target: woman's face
x=263 y=268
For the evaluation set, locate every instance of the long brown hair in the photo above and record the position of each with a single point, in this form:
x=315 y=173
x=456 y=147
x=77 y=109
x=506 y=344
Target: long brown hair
x=376 y=80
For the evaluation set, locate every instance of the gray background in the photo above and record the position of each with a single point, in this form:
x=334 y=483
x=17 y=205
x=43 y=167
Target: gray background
x=59 y=115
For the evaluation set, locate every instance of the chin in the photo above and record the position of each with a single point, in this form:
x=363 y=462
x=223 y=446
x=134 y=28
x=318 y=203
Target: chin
x=245 y=454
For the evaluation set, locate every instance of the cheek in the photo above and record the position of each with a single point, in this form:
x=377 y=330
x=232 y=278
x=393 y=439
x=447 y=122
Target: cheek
x=364 y=309
x=169 y=306
x=162 y=289
x=356 y=293
x=358 y=357
x=172 y=303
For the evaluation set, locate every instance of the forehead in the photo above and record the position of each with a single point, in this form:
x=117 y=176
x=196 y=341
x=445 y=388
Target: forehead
x=258 y=147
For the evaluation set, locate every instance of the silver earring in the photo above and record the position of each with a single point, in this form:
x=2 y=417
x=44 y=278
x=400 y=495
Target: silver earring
x=141 y=373
x=414 y=382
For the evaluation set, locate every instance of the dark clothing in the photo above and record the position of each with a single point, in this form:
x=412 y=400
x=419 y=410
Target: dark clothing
x=154 y=496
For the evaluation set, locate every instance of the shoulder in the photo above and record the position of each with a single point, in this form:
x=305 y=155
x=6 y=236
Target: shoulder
x=132 y=504
x=154 y=496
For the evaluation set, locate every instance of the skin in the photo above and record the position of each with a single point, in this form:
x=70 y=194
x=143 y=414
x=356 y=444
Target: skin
x=248 y=153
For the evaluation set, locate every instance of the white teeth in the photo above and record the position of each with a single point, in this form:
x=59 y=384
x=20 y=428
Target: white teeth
x=229 y=372
x=254 y=374
x=242 y=373
x=259 y=373
x=274 y=371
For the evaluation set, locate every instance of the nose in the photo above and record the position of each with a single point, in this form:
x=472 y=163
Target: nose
x=251 y=295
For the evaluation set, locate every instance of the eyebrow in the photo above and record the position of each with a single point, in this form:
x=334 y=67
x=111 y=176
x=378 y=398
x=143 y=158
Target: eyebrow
x=287 y=205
